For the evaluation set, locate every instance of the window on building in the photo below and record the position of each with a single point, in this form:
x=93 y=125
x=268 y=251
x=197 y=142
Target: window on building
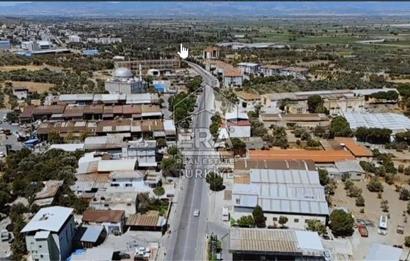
x=238 y=201
x=296 y=220
x=128 y=185
x=275 y=219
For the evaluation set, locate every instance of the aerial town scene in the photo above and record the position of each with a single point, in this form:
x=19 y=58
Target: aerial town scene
x=164 y=131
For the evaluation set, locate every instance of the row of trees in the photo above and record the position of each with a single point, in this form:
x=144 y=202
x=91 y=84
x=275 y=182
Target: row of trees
x=182 y=105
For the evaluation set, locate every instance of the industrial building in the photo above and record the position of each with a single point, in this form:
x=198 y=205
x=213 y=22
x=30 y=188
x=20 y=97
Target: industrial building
x=296 y=194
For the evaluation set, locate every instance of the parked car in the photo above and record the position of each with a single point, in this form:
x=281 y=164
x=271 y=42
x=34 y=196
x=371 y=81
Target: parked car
x=363 y=230
x=196 y=213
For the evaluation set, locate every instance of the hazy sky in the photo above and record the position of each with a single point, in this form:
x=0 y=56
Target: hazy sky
x=215 y=8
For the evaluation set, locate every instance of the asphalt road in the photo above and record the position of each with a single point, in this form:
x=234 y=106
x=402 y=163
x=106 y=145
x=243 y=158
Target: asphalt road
x=188 y=240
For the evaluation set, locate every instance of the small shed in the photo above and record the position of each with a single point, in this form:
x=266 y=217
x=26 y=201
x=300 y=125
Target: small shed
x=93 y=236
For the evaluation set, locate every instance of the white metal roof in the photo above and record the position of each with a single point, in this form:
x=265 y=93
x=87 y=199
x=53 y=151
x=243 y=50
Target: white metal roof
x=49 y=219
x=393 y=121
x=114 y=165
x=68 y=146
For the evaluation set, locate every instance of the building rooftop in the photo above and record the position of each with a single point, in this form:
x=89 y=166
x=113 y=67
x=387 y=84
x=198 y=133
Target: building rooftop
x=115 y=165
x=92 y=233
x=149 y=219
x=246 y=164
x=278 y=241
x=49 y=219
x=383 y=252
x=349 y=166
x=393 y=121
x=356 y=149
x=284 y=191
x=318 y=156
x=100 y=215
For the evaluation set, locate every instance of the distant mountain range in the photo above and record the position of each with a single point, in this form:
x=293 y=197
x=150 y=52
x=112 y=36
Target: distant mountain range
x=203 y=9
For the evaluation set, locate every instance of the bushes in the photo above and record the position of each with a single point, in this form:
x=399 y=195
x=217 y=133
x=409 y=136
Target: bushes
x=360 y=201
x=246 y=221
x=316 y=226
x=375 y=185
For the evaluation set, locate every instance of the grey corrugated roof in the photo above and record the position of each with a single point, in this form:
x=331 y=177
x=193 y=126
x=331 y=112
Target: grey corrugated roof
x=285 y=191
x=92 y=233
x=348 y=166
x=290 y=176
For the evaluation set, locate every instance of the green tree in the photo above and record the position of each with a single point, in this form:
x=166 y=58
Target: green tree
x=159 y=191
x=323 y=177
x=259 y=217
x=283 y=220
x=315 y=104
x=12 y=116
x=340 y=127
x=341 y=223
x=215 y=181
x=316 y=226
x=407 y=241
x=375 y=185
x=360 y=201
x=238 y=146
x=404 y=194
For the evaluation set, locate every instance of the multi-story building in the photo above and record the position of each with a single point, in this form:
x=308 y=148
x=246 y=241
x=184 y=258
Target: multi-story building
x=210 y=53
x=49 y=234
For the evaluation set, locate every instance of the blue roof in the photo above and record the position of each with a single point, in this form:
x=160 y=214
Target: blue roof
x=160 y=87
x=90 y=52
x=92 y=233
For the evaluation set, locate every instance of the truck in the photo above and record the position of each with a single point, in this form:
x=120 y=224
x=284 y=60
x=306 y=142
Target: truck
x=363 y=230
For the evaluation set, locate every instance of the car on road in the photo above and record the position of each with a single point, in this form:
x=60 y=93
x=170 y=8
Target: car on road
x=196 y=213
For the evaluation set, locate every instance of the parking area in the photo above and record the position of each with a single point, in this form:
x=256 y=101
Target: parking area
x=371 y=216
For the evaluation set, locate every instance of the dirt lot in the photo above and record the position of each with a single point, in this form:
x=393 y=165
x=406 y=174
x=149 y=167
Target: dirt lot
x=372 y=214
x=34 y=86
